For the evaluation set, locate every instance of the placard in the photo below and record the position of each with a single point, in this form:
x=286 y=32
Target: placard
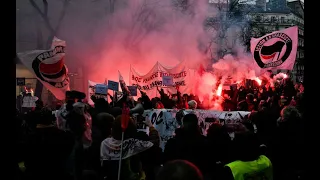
x=113 y=85
x=21 y=81
x=101 y=89
x=167 y=80
x=133 y=90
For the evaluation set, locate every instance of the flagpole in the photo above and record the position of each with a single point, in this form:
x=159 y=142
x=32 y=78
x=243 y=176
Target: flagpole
x=125 y=118
x=119 y=170
x=114 y=98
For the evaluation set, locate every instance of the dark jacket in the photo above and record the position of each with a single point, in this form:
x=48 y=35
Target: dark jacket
x=46 y=153
x=288 y=150
x=187 y=146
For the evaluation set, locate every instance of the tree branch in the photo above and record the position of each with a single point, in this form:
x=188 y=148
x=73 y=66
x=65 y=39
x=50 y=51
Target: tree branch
x=63 y=13
x=45 y=18
x=45 y=7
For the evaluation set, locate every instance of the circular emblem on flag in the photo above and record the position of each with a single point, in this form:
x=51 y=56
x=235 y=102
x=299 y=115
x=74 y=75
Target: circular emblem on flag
x=272 y=50
x=49 y=67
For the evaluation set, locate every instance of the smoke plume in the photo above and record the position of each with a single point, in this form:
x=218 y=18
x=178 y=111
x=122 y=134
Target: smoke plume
x=105 y=38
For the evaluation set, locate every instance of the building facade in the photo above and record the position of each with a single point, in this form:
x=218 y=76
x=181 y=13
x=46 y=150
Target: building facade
x=277 y=17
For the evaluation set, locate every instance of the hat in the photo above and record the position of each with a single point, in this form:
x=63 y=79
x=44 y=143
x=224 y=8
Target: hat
x=68 y=95
x=75 y=95
x=78 y=94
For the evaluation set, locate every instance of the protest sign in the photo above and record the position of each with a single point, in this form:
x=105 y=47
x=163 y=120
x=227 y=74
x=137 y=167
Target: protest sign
x=133 y=90
x=92 y=92
x=21 y=81
x=112 y=85
x=101 y=89
x=167 y=80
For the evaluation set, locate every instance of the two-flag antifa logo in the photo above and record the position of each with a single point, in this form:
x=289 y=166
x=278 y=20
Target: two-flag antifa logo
x=273 y=50
x=49 y=67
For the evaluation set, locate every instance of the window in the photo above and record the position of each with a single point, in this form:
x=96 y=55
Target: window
x=282 y=20
x=258 y=18
x=273 y=19
x=300 y=32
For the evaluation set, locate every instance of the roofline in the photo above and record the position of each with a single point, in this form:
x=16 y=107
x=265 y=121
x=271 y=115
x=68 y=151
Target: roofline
x=300 y=2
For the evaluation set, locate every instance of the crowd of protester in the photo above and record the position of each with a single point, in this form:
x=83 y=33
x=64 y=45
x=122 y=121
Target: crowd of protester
x=79 y=141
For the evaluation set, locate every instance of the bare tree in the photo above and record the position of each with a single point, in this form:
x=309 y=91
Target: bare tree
x=112 y=5
x=185 y=6
x=145 y=20
x=257 y=27
x=231 y=14
x=44 y=14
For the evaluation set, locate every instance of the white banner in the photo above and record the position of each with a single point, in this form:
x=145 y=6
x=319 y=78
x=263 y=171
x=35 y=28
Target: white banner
x=276 y=50
x=164 y=120
x=91 y=91
x=153 y=79
x=111 y=148
x=49 y=67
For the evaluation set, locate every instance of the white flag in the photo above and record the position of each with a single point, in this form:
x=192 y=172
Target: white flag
x=276 y=50
x=49 y=67
x=123 y=85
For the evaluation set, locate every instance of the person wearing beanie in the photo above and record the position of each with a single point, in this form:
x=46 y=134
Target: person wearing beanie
x=192 y=104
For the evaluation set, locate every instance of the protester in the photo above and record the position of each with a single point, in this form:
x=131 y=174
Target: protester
x=111 y=147
x=219 y=145
x=248 y=162
x=286 y=142
x=75 y=142
x=179 y=170
x=47 y=149
x=192 y=104
x=188 y=144
x=76 y=123
x=101 y=129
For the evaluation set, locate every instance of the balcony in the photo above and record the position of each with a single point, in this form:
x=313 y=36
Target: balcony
x=276 y=20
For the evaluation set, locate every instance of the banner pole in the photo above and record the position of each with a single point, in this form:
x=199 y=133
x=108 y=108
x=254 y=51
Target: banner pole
x=121 y=148
x=113 y=97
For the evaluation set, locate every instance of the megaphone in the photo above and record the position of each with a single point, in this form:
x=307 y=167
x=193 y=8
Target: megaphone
x=137 y=109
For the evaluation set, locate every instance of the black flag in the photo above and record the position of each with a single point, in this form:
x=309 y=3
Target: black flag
x=268 y=52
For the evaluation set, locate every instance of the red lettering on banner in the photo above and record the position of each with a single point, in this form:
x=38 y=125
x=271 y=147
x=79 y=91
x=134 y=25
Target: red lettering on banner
x=175 y=76
x=154 y=75
x=136 y=78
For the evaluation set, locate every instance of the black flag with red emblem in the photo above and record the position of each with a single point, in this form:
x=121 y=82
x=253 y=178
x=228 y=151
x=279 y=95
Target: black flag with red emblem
x=269 y=52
